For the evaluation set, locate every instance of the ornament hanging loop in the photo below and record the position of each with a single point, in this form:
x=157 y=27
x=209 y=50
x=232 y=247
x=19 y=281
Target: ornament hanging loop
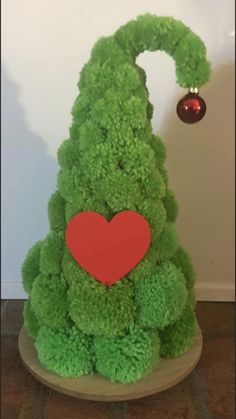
x=193 y=90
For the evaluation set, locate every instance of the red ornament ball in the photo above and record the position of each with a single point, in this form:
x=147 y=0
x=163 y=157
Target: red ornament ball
x=191 y=108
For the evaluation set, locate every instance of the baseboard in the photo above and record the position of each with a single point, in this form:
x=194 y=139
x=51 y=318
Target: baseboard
x=213 y=292
x=12 y=290
x=204 y=292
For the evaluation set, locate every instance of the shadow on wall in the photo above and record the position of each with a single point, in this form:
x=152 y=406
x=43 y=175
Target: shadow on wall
x=28 y=179
x=200 y=161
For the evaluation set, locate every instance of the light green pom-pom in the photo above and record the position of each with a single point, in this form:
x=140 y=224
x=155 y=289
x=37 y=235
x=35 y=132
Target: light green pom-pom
x=129 y=358
x=121 y=192
x=154 y=212
x=167 y=243
x=89 y=135
x=161 y=297
x=68 y=154
x=49 y=301
x=72 y=185
x=145 y=268
x=67 y=352
x=101 y=310
x=52 y=252
x=159 y=148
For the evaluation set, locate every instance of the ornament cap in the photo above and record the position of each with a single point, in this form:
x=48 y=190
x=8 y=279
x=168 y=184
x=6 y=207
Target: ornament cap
x=194 y=90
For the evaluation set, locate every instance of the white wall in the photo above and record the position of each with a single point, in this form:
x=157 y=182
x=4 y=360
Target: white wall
x=45 y=44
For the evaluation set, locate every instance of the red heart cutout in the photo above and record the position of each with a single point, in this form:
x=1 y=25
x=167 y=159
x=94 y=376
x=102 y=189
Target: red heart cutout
x=108 y=250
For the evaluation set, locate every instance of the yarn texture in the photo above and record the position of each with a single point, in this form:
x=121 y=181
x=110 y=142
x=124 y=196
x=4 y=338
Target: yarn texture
x=112 y=161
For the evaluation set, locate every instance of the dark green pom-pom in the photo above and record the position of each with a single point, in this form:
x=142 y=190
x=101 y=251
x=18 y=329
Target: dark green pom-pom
x=171 y=205
x=161 y=297
x=30 y=267
x=30 y=321
x=177 y=338
x=56 y=212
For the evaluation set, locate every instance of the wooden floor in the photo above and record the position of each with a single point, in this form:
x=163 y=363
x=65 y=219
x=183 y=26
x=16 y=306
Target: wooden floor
x=207 y=393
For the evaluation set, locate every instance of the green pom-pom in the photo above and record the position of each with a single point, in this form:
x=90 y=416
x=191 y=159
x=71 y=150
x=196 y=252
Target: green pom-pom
x=67 y=352
x=177 y=338
x=120 y=138
x=127 y=78
x=101 y=310
x=154 y=185
x=98 y=162
x=138 y=160
x=51 y=253
x=30 y=267
x=155 y=213
x=183 y=261
x=72 y=186
x=161 y=297
x=150 y=110
x=68 y=154
x=116 y=107
x=171 y=205
x=145 y=133
x=56 y=212
x=97 y=78
x=159 y=148
x=80 y=110
x=135 y=111
x=30 y=321
x=73 y=273
x=89 y=135
x=145 y=268
x=49 y=301
x=107 y=50
x=89 y=205
x=167 y=243
x=121 y=192
x=192 y=69
x=129 y=358
x=73 y=130
x=164 y=174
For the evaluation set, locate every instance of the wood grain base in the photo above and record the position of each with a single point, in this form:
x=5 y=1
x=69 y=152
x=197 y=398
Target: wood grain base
x=94 y=387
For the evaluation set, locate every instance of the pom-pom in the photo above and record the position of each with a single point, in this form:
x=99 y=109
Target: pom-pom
x=49 y=301
x=177 y=338
x=51 y=253
x=67 y=352
x=161 y=297
x=30 y=267
x=30 y=321
x=101 y=310
x=129 y=358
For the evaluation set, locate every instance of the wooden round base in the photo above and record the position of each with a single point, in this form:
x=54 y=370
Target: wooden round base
x=94 y=387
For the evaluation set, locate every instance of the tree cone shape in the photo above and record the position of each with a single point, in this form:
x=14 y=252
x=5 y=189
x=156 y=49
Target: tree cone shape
x=112 y=162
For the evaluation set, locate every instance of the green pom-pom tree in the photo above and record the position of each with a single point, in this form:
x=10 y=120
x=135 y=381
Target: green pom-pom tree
x=111 y=162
